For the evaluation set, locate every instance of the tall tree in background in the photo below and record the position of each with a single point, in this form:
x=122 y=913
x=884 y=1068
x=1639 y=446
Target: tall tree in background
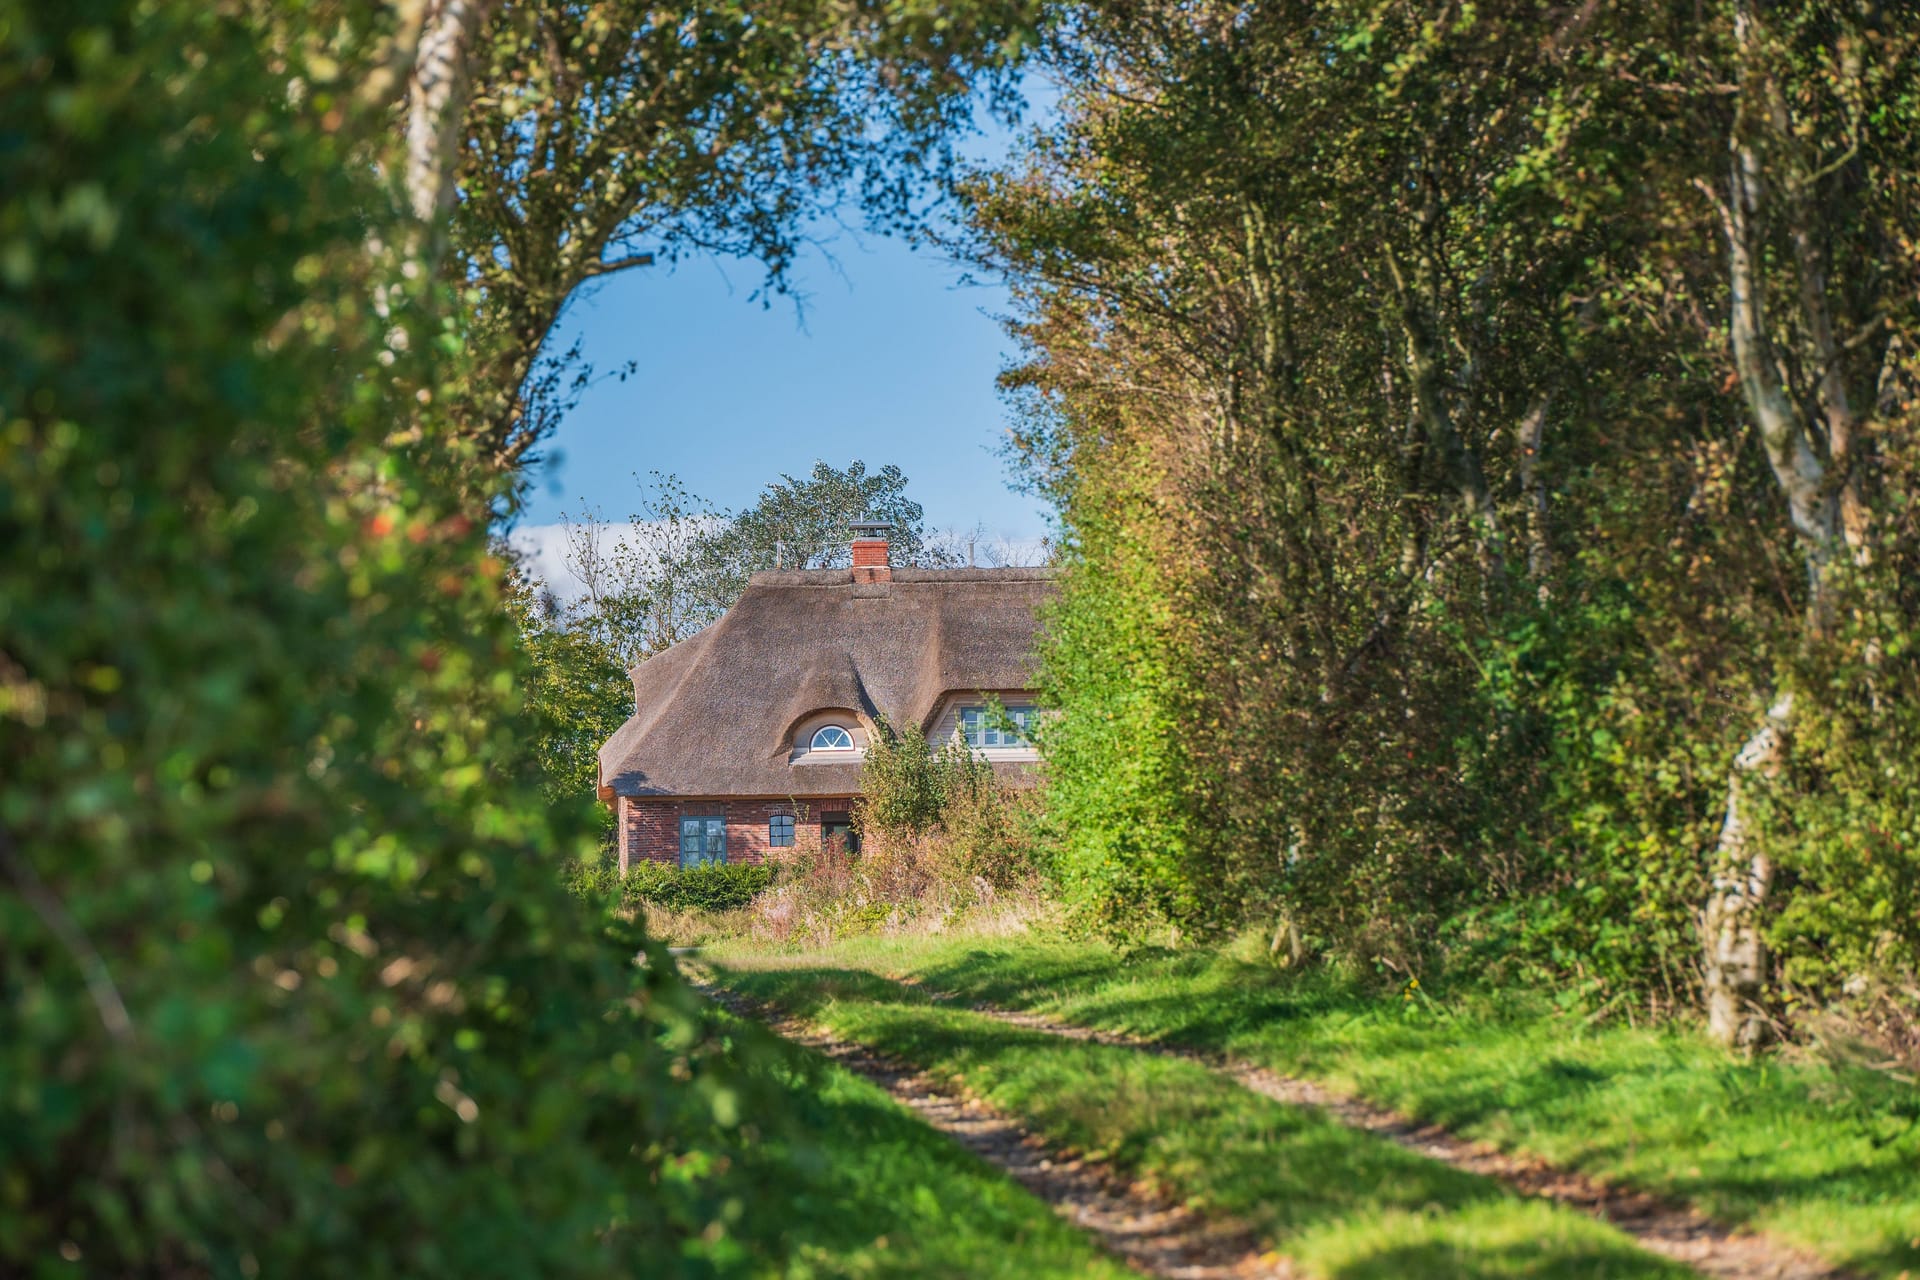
x=806 y=523
x=641 y=584
x=679 y=562
x=1394 y=365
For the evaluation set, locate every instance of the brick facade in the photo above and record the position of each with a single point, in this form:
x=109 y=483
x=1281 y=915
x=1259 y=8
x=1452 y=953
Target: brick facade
x=650 y=828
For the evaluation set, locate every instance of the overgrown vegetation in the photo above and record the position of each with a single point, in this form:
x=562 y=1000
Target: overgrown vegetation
x=288 y=973
x=942 y=841
x=1485 y=438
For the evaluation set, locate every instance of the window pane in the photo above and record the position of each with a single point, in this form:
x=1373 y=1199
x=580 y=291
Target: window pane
x=702 y=839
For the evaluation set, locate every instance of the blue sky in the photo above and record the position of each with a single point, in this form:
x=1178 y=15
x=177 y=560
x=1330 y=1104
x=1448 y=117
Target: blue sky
x=889 y=357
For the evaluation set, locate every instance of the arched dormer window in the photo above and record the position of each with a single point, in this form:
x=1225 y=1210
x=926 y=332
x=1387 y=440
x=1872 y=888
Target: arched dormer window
x=832 y=737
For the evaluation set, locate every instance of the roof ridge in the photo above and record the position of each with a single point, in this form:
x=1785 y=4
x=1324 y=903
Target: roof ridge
x=844 y=577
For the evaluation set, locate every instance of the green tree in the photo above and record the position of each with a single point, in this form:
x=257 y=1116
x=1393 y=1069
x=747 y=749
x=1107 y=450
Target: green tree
x=805 y=523
x=600 y=136
x=577 y=694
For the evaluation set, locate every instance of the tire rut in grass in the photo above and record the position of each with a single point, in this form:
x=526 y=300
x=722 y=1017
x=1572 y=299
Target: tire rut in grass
x=1147 y=1232
x=1679 y=1232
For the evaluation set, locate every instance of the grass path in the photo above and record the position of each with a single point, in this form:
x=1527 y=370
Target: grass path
x=1158 y=1238
x=1343 y=1204
x=865 y=1189
x=1823 y=1155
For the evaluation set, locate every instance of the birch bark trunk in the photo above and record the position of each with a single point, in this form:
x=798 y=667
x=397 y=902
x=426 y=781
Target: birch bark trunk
x=1734 y=948
x=438 y=82
x=1823 y=505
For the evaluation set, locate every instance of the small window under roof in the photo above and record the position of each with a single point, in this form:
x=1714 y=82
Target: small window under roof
x=832 y=738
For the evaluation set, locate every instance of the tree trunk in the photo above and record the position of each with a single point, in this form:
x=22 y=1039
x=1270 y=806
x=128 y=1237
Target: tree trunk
x=1533 y=494
x=1734 y=949
x=1444 y=443
x=437 y=88
x=1734 y=953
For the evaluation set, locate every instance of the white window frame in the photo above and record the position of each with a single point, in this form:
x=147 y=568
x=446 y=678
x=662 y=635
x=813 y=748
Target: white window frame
x=984 y=736
x=813 y=743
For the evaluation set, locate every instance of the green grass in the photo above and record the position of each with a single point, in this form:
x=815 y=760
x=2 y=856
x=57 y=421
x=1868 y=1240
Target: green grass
x=1344 y=1203
x=864 y=1189
x=1819 y=1154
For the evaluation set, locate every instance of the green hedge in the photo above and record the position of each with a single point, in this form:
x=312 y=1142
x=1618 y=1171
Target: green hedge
x=714 y=887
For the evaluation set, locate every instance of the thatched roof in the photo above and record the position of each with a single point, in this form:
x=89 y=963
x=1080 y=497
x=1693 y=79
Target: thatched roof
x=715 y=714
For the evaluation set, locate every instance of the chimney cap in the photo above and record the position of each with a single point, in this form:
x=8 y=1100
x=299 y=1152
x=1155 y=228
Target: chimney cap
x=872 y=528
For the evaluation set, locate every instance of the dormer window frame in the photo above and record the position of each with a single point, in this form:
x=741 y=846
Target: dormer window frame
x=845 y=743
x=979 y=725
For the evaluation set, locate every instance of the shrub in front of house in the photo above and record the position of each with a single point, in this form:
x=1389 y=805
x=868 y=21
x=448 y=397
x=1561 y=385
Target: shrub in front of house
x=945 y=805
x=713 y=887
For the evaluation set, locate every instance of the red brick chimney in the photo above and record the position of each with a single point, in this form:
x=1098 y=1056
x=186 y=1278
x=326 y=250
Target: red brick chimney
x=870 y=563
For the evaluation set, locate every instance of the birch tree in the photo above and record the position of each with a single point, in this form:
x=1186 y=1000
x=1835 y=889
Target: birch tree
x=1815 y=344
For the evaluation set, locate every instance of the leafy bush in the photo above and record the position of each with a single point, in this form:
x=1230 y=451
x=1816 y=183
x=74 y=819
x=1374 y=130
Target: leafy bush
x=905 y=783
x=712 y=887
x=287 y=984
x=948 y=800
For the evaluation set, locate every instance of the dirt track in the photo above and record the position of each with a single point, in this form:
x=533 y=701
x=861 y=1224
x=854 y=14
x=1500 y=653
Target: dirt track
x=1148 y=1232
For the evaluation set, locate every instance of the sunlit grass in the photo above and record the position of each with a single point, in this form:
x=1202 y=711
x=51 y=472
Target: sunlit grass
x=863 y=1188
x=1343 y=1203
x=1820 y=1155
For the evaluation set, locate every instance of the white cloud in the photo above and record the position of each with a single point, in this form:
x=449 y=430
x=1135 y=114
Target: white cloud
x=542 y=549
x=626 y=546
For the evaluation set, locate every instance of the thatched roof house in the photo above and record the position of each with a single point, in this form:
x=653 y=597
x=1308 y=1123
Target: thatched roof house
x=749 y=735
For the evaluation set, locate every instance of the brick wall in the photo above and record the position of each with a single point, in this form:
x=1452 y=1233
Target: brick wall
x=650 y=829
